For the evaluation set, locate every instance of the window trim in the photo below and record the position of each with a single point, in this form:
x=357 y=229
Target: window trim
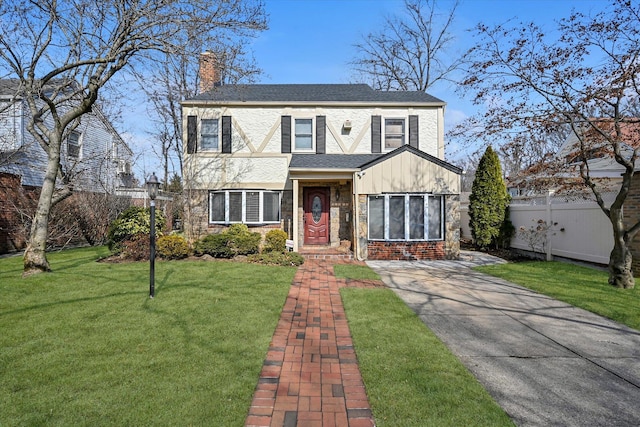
x=243 y=219
x=294 y=135
x=79 y=145
x=201 y=134
x=384 y=132
x=407 y=217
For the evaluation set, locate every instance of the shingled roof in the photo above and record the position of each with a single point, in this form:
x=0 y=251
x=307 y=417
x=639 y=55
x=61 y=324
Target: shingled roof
x=313 y=93
x=359 y=161
x=331 y=161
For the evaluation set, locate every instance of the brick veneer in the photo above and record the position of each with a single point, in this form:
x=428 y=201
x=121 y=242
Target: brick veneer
x=631 y=216
x=406 y=251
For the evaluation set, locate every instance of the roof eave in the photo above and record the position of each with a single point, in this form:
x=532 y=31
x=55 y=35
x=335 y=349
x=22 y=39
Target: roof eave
x=210 y=103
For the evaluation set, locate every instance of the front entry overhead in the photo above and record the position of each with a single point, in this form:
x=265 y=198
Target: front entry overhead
x=316 y=215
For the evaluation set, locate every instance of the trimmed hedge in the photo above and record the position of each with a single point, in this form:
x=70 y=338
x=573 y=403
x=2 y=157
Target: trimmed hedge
x=172 y=247
x=236 y=240
x=275 y=241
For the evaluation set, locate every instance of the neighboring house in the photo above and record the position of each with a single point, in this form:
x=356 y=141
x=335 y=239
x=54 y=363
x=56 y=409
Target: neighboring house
x=94 y=156
x=93 y=153
x=561 y=173
x=332 y=164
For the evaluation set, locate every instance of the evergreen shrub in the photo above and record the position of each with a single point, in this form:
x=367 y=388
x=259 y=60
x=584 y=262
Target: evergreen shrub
x=275 y=241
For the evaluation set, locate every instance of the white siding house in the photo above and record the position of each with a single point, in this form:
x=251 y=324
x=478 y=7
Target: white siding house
x=93 y=153
x=329 y=163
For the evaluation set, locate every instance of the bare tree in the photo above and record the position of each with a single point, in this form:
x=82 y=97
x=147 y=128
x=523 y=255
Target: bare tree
x=65 y=52
x=177 y=78
x=584 y=77
x=412 y=52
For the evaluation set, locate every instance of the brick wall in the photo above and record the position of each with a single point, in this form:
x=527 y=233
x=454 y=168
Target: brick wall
x=406 y=251
x=631 y=216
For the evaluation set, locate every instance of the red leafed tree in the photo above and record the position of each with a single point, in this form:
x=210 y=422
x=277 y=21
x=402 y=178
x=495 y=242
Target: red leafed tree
x=584 y=76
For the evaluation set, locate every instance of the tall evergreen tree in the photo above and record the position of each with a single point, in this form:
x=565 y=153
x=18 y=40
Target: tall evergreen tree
x=488 y=201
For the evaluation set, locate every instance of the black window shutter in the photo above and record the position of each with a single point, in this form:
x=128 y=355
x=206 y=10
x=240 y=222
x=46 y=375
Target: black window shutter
x=192 y=134
x=376 y=131
x=413 y=131
x=285 y=127
x=226 y=134
x=321 y=143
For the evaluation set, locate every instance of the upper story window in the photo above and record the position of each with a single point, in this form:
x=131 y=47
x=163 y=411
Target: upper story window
x=394 y=133
x=73 y=145
x=303 y=134
x=209 y=135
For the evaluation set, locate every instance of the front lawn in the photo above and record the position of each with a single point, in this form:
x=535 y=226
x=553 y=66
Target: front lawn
x=580 y=286
x=84 y=345
x=411 y=378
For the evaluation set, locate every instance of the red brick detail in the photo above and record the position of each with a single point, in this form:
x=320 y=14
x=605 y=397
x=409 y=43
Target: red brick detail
x=406 y=251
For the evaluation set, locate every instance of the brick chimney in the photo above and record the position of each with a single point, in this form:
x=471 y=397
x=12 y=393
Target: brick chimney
x=210 y=72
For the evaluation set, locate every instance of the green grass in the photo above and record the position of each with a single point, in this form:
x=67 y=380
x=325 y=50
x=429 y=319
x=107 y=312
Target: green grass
x=354 y=271
x=84 y=345
x=579 y=286
x=411 y=378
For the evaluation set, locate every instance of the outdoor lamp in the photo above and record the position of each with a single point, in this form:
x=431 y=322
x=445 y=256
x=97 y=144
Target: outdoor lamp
x=152 y=188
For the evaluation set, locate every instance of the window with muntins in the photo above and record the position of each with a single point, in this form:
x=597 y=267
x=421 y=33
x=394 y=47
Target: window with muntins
x=244 y=206
x=303 y=134
x=406 y=217
x=73 y=145
x=209 y=135
x=394 y=133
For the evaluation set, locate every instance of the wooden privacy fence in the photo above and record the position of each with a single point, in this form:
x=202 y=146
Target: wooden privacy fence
x=556 y=226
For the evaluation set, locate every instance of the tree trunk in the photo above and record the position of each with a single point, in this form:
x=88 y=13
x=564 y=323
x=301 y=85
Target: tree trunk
x=35 y=256
x=620 y=273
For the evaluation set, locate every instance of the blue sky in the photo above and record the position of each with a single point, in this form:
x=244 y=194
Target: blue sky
x=311 y=41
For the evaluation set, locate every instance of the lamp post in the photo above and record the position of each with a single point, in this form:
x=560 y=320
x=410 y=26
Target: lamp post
x=152 y=187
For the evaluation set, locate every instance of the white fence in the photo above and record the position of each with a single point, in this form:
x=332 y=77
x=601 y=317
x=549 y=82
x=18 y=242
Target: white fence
x=578 y=228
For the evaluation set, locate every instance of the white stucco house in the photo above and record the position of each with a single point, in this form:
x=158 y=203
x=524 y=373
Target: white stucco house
x=332 y=164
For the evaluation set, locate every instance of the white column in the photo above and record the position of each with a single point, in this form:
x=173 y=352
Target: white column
x=295 y=215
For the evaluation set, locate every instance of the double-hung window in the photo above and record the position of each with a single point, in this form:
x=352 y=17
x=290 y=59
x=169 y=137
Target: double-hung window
x=209 y=135
x=303 y=134
x=73 y=145
x=394 y=133
x=406 y=217
x=244 y=206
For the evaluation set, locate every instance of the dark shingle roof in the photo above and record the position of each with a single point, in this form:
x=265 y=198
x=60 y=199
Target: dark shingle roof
x=338 y=93
x=331 y=161
x=360 y=161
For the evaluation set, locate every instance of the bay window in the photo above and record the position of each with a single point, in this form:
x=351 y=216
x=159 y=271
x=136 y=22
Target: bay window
x=244 y=206
x=405 y=217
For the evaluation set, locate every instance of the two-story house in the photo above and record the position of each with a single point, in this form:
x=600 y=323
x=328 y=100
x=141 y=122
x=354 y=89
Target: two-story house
x=93 y=156
x=331 y=164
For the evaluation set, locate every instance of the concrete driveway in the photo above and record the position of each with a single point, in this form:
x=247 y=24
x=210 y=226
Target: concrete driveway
x=545 y=362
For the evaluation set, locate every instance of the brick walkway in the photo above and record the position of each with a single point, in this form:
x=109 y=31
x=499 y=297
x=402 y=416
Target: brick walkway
x=310 y=376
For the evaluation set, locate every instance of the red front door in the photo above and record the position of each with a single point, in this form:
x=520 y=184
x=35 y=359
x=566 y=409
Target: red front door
x=316 y=216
